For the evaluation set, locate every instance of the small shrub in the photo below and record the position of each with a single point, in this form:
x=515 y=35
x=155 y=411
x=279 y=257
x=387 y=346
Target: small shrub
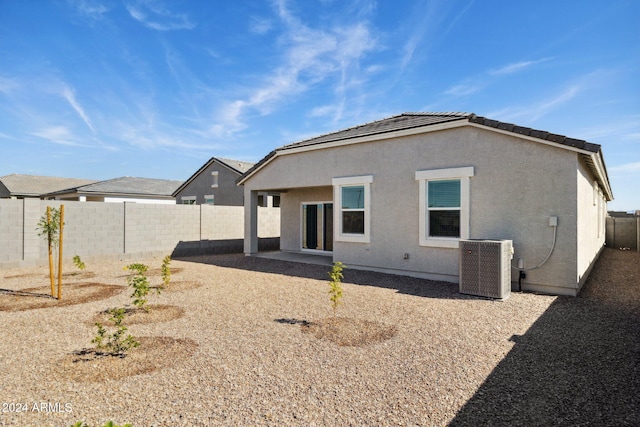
x=166 y=271
x=138 y=268
x=115 y=344
x=78 y=263
x=335 y=285
x=140 y=284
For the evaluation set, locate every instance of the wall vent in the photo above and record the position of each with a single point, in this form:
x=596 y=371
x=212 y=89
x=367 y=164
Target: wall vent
x=485 y=268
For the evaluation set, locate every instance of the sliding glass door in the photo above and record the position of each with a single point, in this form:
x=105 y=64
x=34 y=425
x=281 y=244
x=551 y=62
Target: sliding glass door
x=317 y=226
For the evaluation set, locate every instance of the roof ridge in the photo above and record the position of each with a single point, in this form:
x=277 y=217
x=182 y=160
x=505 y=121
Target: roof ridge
x=436 y=113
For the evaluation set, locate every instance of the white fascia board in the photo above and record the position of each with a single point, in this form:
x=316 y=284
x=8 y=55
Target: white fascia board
x=599 y=165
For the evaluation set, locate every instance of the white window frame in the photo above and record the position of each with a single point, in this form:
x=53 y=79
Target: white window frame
x=188 y=199
x=462 y=174
x=209 y=196
x=350 y=181
x=214 y=176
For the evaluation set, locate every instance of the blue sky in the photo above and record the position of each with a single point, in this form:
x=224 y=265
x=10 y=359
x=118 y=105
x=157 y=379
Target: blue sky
x=153 y=88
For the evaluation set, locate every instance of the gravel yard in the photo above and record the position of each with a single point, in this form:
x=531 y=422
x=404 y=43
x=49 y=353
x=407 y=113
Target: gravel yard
x=249 y=341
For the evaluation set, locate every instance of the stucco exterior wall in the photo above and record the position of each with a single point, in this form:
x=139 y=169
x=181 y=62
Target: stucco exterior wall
x=227 y=193
x=592 y=211
x=291 y=214
x=517 y=185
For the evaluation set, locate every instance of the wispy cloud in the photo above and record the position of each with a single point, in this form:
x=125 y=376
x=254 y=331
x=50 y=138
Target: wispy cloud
x=633 y=167
x=90 y=8
x=260 y=25
x=516 y=67
x=153 y=14
x=471 y=85
x=535 y=111
x=60 y=135
x=309 y=56
x=426 y=22
x=7 y=85
x=68 y=94
x=465 y=88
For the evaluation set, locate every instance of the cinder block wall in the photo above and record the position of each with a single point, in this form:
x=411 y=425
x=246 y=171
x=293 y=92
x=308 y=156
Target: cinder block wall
x=11 y=226
x=124 y=230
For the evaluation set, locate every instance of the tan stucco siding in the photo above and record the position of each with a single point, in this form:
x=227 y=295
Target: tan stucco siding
x=591 y=205
x=517 y=185
x=291 y=213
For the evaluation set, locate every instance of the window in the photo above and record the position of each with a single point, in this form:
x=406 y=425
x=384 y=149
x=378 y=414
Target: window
x=188 y=200
x=353 y=209
x=214 y=177
x=353 y=216
x=208 y=199
x=444 y=206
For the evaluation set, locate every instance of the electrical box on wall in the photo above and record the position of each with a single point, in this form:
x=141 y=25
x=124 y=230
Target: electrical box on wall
x=485 y=268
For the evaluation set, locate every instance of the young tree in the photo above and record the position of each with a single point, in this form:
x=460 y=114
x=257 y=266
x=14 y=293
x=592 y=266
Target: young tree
x=50 y=227
x=335 y=285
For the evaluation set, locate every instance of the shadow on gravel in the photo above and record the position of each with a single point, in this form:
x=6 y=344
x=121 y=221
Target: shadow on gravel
x=402 y=284
x=578 y=364
x=19 y=293
x=292 y=321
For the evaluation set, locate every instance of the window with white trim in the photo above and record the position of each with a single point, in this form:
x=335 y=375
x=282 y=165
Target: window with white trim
x=188 y=200
x=352 y=217
x=444 y=206
x=208 y=199
x=214 y=177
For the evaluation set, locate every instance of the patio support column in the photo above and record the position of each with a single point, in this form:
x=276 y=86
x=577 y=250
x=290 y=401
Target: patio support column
x=250 y=222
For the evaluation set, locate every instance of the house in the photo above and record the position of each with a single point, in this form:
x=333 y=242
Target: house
x=397 y=195
x=18 y=186
x=215 y=184
x=123 y=189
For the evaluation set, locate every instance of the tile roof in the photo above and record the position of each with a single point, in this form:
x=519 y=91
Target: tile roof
x=407 y=121
x=127 y=185
x=540 y=134
x=390 y=124
x=34 y=186
x=414 y=120
x=238 y=165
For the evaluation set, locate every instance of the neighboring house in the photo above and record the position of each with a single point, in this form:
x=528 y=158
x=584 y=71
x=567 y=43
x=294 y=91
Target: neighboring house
x=124 y=189
x=397 y=195
x=624 y=214
x=18 y=186
x=215 y=184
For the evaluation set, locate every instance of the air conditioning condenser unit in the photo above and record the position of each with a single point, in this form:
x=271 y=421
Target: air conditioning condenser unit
x=485 y=268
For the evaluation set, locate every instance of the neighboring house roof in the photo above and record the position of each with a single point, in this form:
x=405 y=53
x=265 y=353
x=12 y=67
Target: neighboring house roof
x=35 y=186
x=126 y=185
x=236 y=166
x=414 y=123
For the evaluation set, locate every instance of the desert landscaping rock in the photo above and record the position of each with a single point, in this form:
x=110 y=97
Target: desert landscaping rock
x=40 y=297
x=240 y=354
x=88 y=365
x=138 y=316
